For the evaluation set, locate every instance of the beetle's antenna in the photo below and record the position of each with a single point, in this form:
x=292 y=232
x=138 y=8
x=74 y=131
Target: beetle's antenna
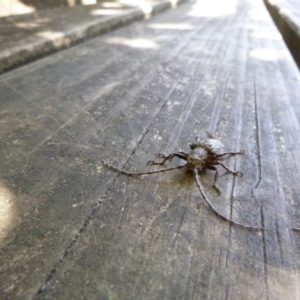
x=215 y=211
x=142 y=173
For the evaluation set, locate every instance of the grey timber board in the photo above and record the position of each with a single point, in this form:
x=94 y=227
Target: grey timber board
x=73 y=229
x=28 y=37
x=286 y=15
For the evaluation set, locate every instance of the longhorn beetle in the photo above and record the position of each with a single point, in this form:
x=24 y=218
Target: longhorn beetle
x=204 y=154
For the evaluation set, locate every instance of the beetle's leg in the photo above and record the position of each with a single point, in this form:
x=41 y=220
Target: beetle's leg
x=230 y=171
x=230 y=153
x=214 y=210
x=215 y=186
x=181 y=155
x=141 y=173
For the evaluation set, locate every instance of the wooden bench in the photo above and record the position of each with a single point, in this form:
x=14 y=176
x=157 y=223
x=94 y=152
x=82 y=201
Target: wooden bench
x=286 y=15
x=27 y=37
x=71 y=228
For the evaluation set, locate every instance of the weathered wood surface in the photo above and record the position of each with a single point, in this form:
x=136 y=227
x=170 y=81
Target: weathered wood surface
x=286 y=15
x=28 y=37
x=73 y=229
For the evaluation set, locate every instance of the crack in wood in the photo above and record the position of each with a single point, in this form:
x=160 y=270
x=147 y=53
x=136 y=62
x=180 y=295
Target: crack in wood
x=264 y=245
x=258 y=152
x=279 y=241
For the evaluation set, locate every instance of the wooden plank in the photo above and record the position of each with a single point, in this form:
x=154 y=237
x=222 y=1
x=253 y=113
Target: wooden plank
x=80 y=230
x=286 y=15
x=28 y=37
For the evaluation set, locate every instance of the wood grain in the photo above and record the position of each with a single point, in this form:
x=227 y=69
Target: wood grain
x=79 y=230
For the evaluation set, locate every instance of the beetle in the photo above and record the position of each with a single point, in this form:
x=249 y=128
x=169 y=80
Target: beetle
x=204 y=154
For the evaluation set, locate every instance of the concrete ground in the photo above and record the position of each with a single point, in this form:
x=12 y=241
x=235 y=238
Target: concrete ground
x=72 y=228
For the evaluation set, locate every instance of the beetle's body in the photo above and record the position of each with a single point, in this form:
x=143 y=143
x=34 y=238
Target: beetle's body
x=204 y=154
